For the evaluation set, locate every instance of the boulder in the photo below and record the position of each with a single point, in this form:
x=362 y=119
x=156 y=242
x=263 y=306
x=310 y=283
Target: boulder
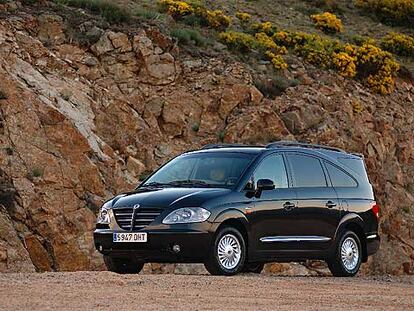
x=51 y=29
x=135 y=166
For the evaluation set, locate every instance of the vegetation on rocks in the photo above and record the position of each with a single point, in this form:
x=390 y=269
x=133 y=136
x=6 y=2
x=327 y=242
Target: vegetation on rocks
x=243 y=17
x=2 y=95
x=391 y=11
x=399 y=44
x=327 y=22
x=110 y=11
x=188 y=36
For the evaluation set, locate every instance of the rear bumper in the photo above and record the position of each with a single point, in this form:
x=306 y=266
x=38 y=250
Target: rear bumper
x=194 y=244
x=373 y=243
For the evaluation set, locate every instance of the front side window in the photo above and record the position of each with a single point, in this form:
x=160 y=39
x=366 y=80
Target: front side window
x=273 y=168
x=202 y=169
x=339 y=178
x=307 y=171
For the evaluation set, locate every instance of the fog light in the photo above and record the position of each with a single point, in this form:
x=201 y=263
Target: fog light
x=176 y=248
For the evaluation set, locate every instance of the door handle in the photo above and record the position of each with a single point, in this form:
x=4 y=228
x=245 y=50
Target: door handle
x=330 y=204
x=289 y=206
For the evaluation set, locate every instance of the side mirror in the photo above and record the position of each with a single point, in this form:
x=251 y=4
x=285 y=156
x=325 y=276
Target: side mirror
x=265 y=184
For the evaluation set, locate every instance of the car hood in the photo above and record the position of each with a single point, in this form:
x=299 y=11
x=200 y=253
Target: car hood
x=167 y=197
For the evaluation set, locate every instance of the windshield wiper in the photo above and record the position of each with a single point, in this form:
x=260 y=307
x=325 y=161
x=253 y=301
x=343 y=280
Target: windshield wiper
x=190 y=182
x=155 y=184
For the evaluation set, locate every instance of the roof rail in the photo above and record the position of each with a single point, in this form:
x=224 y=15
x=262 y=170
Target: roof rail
x=217 y=146
x=358 y=155
x=288 y=143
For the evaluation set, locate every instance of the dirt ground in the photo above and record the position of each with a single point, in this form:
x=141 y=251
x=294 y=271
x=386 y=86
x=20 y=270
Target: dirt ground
x=109 y=291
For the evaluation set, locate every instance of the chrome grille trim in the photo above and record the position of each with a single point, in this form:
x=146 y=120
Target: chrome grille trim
x=129 y=219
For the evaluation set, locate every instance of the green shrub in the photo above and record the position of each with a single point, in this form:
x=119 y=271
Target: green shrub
x=390 y=11
x=221 y=135
x=196 y=127
x=111 y=12
x=146 y=14
x=188 y=36
x=399 y=44
x=37 y=172
x=361 y=40
x=3 y=95
x=274 y=85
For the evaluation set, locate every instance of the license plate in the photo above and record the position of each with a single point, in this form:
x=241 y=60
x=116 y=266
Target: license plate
x=130 y=237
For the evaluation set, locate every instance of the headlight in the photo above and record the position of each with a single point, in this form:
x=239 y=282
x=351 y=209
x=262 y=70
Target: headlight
x=103 y=216
x=187 y=215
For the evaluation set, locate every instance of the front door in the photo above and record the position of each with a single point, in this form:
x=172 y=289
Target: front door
x=267 y=217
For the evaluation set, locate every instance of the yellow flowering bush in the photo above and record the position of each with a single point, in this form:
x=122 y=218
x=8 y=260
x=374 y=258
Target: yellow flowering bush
x=377 y=68
x=399 y=44
x=266 y=27
x=243 y=17
x=345 y=64
x=368 y=63
x=277 y=60
x=394 y=11
x=238 y=40
x=176 y=9
x=327 y=22
x=265 y=42
x=360 y=40
x=217 y=19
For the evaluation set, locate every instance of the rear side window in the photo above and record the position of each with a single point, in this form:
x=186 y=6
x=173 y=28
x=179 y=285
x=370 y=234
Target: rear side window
x=357 y=165
x=339 y=178
x=307 y=171
x=273 y=168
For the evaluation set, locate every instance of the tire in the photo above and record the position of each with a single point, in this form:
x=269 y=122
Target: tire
x=253 y=268
x=230 y=246
x=123 y=266
x=347 y=258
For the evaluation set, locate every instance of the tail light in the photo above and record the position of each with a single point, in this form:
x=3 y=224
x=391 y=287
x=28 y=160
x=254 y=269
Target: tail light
x=375 y=210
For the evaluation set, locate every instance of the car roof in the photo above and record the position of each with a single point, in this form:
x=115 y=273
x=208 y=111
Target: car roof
x=322 y=150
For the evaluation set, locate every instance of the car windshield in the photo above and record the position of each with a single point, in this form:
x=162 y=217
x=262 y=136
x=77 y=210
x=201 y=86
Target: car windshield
x=201 y=170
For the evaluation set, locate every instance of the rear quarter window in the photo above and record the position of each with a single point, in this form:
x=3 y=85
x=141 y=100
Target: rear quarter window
x=339 y=178
x=356 y=165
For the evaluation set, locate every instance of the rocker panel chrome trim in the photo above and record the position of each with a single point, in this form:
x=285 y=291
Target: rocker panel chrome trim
x=307 y=238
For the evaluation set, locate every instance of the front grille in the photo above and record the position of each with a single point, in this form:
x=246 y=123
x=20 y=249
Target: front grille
x=142 y=217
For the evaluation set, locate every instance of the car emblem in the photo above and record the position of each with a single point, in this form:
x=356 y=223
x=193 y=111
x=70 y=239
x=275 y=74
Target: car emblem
x=136 y=206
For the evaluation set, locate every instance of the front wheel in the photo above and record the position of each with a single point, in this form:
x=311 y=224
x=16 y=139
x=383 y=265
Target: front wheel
x=228 y=253
x=123 y=266
x=347 y=257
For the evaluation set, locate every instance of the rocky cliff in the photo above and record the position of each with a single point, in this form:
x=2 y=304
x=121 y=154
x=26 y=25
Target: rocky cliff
x=79 y=123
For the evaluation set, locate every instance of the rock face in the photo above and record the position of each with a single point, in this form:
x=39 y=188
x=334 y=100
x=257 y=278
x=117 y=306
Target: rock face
x=81 y=124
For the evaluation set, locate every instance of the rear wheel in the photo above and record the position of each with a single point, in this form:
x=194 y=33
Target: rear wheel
x=253 y=268
x=123 y=266
x=227 y=254
x=346 y=260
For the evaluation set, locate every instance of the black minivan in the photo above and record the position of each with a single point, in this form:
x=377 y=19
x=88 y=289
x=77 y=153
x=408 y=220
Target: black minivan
x=236 y=207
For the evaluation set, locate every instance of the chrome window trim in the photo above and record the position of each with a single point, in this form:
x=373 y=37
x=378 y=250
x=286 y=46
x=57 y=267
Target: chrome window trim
x=307 y=238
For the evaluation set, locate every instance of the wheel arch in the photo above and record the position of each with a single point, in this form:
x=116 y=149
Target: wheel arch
x=233 y=218
x=353 y=222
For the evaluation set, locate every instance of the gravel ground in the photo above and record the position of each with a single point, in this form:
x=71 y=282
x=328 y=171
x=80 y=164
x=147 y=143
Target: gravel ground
x=107 y=291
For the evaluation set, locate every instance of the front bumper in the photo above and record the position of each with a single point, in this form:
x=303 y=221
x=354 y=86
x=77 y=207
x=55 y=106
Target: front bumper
x=194 y=241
